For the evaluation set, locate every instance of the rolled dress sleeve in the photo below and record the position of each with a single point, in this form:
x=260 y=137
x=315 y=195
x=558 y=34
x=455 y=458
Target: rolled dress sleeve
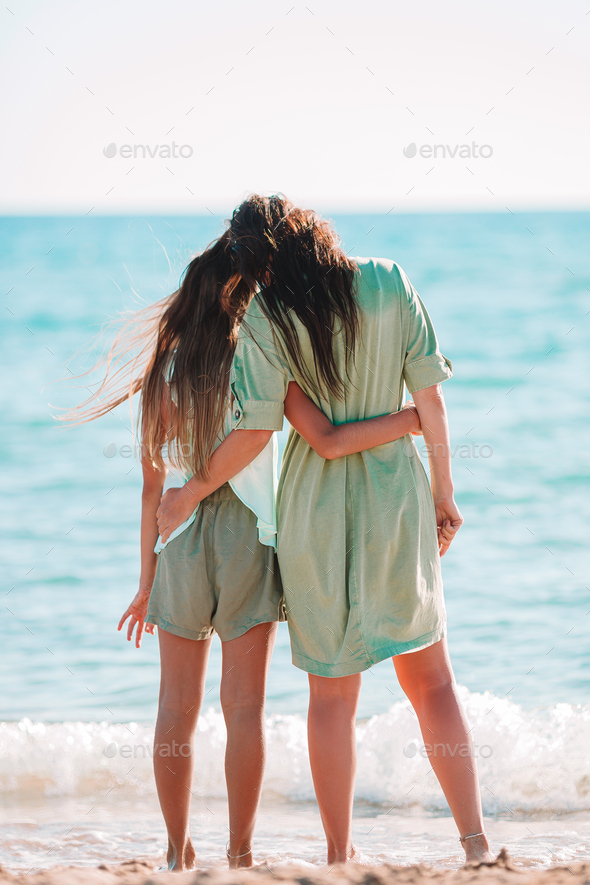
x=260 y=376
x=424 y=364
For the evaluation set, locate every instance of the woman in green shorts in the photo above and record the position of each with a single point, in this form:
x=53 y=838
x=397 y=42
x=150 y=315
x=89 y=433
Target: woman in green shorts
x=217 y=572
x=360 y=537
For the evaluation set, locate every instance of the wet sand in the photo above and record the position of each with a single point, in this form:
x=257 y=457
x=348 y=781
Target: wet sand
x=138 y=872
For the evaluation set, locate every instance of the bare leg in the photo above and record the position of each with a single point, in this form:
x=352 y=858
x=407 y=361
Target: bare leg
x=332 y=754
x=243 y=686
x=427 y=679
x=183 y=665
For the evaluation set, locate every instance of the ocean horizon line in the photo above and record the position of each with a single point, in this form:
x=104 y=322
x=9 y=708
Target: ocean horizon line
x=343 y=212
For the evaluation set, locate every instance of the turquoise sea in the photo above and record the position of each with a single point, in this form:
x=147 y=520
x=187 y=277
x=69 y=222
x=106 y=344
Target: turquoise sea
x=509 y=295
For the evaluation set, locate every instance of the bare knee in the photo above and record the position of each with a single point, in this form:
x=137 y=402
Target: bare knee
x=429 y=687
x=334 y=695
x=182 y=707
x=240 y=703
x=344 y=687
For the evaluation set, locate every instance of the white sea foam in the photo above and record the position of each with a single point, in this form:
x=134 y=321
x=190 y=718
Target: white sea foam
x=528 y=761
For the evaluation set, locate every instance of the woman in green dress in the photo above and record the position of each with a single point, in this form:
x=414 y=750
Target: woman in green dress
x=359 y=537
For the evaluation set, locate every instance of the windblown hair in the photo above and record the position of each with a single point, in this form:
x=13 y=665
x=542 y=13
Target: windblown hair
x=178 y=353
x=293 y=257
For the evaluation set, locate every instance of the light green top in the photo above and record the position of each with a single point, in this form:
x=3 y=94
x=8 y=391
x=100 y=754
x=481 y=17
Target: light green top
x=357 y=541
x=255 y=486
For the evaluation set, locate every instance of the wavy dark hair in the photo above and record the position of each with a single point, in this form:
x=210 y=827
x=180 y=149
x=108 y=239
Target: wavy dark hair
x=178 y=353
x=293 y=256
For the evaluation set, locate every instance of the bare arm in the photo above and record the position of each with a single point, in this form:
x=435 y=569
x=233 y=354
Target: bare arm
x=335 y=441
x=236 y=451
x=433 y=418
x=240 y=447
x=153 y=485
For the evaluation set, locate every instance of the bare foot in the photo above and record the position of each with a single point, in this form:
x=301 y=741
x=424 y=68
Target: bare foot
x=350 y=856
x=185 y=862
x=239 y=857
x=477 y=850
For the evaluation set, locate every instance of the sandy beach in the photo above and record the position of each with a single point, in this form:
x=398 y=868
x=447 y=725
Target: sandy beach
x=138 y=872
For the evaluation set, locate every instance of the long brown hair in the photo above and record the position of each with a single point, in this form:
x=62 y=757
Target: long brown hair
x=178 y=352
x=294 y=257
x=179 y=349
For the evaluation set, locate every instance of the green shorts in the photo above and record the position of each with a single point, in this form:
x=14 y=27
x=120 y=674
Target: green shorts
x=216 y=577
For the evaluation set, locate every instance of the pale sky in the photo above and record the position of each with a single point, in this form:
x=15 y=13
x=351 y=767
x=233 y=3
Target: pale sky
x=316 y=101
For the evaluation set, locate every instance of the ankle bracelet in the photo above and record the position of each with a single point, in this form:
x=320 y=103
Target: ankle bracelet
x=470 y=836
x=236 y=856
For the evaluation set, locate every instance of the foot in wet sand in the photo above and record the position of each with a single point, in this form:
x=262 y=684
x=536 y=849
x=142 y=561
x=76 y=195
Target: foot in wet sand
x=181 y=861
x=239 y=857
x=477 y=850
x=350 y=856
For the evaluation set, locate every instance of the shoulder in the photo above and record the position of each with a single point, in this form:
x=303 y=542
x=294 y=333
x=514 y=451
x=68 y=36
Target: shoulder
x=255 y=311
x=383 y=275
x=255 y=323
x=257 y=336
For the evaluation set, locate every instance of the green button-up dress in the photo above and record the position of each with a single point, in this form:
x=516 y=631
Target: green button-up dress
x=357 y=539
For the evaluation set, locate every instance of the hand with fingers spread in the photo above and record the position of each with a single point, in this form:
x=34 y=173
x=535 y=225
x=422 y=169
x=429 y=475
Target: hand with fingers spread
x=137 y=613
x=448 y=522
x=176 y=505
